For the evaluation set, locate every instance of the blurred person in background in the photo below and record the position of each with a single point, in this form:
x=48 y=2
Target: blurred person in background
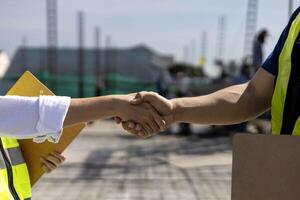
x=260 y=124
x=223 y=75
x=257 y=49
x=182 y=84
x=275 y=86
x=163 y=83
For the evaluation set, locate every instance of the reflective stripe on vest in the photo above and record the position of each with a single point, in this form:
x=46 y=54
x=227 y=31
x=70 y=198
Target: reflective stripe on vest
x=285 y=112
x=21 y=181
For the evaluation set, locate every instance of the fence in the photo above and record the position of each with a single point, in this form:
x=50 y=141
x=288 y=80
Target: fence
x=68 y=85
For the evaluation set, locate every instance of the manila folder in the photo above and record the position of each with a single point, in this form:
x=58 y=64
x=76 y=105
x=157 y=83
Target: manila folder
x=29 y=85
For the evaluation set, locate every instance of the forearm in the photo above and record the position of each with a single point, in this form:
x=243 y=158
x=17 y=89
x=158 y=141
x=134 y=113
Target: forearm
x=89 y=109
x=231 y=105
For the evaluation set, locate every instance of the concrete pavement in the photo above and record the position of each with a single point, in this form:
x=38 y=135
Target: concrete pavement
x=104 y=163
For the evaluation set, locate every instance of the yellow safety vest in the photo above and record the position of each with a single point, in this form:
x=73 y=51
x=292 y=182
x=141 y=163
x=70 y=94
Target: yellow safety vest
x=14 y=177
x=286 y=98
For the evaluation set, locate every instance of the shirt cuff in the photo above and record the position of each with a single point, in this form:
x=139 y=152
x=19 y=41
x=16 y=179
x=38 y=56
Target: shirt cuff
x=52 y=113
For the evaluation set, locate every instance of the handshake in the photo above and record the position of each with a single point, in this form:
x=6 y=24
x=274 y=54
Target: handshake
x=148 y=113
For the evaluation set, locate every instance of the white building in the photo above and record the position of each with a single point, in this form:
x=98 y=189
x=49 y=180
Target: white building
x=4 y=63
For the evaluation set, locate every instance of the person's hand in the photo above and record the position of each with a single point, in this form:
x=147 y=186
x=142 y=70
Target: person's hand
x=149 y=120
x=162 y=105
x=132 y=127
x=52 y=161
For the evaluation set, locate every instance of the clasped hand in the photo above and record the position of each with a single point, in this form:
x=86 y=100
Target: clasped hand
x=148 y=114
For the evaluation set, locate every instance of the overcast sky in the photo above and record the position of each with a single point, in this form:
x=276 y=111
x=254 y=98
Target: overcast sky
x=165 y=25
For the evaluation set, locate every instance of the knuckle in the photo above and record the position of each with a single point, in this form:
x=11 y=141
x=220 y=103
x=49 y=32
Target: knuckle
x=153 y=94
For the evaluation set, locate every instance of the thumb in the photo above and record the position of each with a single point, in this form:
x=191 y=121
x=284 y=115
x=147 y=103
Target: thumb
x=169 y=120
x=118 y=120
x=138 y=99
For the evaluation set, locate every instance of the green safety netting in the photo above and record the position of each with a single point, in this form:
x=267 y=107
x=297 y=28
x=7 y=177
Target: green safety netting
x=68 y=85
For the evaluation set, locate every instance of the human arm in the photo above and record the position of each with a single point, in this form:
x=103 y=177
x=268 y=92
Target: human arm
x=88 y=109
x=44 y=117
x=234 y=104
x=231 y=105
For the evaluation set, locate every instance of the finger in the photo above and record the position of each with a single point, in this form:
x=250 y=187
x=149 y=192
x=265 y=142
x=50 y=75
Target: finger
x=148 y=135
x=169 y=119
x=147 y=128
x=138 y=127
x=48 y=164
x=153 y=125
x=143 y=134
x=156 y=121
x=53 y=160
x=143 y=121
x=137 y=99
x=131 y=125
x=133 y=132
x=146 y=97
x=118 y=120
x=126 y=125
x=159 y=121
x=58 y=156
x=46 y=169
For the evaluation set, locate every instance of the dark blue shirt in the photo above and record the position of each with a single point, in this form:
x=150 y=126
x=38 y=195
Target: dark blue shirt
x=271 y=63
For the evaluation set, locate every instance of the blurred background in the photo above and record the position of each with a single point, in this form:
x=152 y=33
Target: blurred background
x=176 y=48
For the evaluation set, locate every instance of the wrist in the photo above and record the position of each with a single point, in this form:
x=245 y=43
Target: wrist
x=118 y=104
x=175 y=110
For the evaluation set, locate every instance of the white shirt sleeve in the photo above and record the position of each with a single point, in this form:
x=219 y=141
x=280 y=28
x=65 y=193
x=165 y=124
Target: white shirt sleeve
x=39 y=118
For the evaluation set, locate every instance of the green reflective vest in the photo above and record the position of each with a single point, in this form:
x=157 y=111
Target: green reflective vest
x=14 y=177
x=286 y=98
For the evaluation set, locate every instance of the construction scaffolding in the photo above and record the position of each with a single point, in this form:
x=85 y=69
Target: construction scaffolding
x=251 y=22
x=221 y=37
x=290 y=8
x=202 y=49
x=80 y=54
x=51 y=65
x=99 y=76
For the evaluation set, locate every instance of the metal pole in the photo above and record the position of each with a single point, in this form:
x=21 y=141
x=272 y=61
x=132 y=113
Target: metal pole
x=193 y=51
x=80 y=54
x=97 y=62
x=251 y=22
x=24 y=53
x=290 y=7
x=186 y=54
x=221 y=37
x=107 y=60
x=52 y=42
x=203 y=46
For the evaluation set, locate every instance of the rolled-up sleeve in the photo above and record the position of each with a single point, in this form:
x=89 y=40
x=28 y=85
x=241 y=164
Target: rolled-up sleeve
x=40 y=118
